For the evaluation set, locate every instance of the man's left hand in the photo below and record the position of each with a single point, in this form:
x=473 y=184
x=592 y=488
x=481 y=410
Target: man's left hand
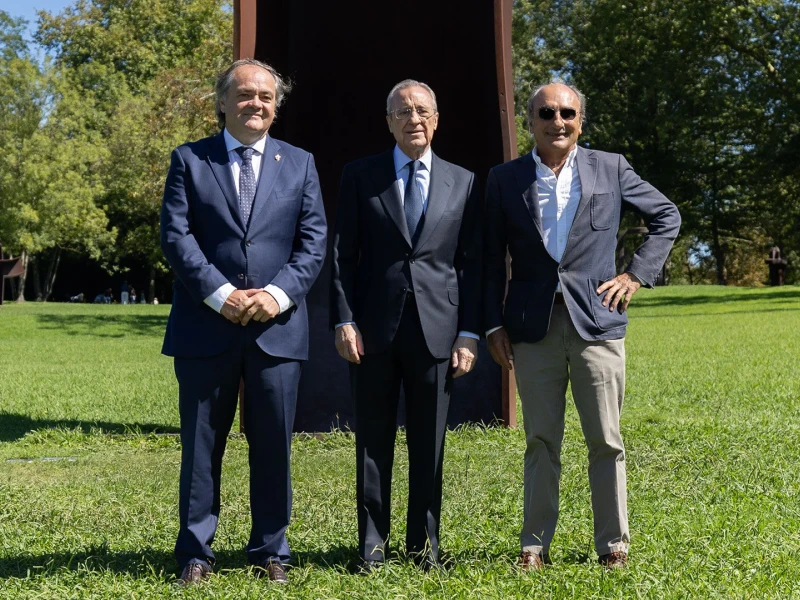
x=464 y=355
x=264 y=307
x=620 y=289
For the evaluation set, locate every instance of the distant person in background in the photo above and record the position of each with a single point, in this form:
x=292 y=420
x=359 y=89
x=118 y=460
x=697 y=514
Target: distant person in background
x=155 y=300
x=143 y=299
x=108 y=298
x=556 y=211
x=133 y=295
x=124 y=292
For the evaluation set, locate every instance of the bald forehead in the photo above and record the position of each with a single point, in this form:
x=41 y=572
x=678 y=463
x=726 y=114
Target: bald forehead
x=557 y=92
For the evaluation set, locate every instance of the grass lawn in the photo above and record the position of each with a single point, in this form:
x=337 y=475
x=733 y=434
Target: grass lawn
x=711 y=428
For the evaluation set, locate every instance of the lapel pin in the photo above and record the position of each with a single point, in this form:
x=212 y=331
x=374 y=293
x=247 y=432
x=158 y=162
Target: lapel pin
x=278 y=157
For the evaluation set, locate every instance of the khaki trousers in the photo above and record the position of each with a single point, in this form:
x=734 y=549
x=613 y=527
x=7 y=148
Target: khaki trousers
x=596 y=371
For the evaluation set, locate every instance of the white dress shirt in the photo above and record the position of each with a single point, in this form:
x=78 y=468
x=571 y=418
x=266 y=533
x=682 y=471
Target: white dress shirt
x=402 y=170
x=217 y=299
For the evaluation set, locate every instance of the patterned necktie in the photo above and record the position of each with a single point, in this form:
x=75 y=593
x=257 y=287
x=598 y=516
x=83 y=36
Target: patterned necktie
x=412 y=203
x=247 y=182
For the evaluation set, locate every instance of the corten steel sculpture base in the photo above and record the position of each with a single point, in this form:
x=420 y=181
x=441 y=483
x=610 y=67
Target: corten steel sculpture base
x=343 y=59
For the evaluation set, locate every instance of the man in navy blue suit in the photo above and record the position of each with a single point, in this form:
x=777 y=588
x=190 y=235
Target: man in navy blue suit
x=243 y=227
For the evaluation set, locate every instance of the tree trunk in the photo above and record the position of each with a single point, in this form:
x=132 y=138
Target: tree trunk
x=37 y=282
x=23 y=277
x=151 y=288
x=52 y=271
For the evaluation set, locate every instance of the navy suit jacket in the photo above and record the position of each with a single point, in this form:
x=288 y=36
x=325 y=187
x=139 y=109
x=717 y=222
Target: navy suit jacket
x=208 y=245
x=375 y=263
x=513 y=222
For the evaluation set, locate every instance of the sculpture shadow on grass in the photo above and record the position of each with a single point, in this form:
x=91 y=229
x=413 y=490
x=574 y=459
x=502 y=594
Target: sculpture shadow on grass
x=105 y=326
x=15 y=426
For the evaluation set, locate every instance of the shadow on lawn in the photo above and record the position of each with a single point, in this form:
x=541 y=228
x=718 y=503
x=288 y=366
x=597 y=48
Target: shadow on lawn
x=98 y=325
x=150 y=562
x=14 y=426
x=771 y=295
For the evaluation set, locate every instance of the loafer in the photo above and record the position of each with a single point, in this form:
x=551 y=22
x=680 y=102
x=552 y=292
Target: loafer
x=272 y=570
x=530 y=561
x=194 y=573
x=614 y=560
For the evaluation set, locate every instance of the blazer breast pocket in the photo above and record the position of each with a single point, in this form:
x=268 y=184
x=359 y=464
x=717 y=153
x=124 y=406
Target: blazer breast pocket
x=603 y=208
x=451 y=215
x=288 y=193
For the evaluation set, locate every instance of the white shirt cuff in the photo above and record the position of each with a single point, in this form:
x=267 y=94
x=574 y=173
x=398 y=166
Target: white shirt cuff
x=217 y=299
x=344 y=323
x=492 y=330
x=284 y=302
x=468 y=334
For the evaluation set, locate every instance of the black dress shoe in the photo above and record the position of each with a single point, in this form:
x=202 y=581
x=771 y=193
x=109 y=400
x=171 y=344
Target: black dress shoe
x=366 y=566
x=272 y=570
x=194 y=573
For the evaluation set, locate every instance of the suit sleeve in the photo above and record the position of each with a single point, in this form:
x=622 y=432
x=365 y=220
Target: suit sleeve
x=468 y=262
x=663 y=223
x=305 y=262
x=345 y=251
x=178 y=243
x=494 y=256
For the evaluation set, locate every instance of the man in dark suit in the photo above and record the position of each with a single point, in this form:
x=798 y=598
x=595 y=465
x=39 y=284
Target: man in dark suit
x=557 y=212
x=243 y=227
x=405 y=303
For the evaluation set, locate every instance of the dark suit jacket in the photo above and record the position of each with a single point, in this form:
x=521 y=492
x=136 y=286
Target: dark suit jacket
x=375 y=263
x=608 y=184
x=207 y=245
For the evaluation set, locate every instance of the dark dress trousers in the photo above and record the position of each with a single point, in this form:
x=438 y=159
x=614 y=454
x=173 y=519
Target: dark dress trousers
x=207 y=245
x=409 y=301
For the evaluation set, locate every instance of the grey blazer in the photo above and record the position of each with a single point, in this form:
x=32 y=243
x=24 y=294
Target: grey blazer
x=609 y=185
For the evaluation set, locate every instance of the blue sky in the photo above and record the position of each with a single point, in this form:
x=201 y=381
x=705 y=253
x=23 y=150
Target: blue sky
x=27 y=8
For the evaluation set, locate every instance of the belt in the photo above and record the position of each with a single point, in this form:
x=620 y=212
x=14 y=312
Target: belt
x=559 y=299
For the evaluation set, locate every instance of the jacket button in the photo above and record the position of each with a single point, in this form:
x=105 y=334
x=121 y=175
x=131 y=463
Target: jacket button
x=249 y=242
x=561 y=269
x=411 y=261
x=240 y=275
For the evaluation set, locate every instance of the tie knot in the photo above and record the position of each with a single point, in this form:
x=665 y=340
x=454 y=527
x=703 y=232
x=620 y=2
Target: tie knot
x=246 y=152
x=413 y=167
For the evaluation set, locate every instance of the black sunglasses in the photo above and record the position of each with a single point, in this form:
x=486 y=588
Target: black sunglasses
x=548 y=114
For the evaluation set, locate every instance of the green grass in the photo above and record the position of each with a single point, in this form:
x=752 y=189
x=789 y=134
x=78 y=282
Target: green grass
x=710 y=424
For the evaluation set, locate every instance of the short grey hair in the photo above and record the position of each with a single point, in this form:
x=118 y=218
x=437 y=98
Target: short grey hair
x=539 y=88
x=225 y=80
x=407 y=83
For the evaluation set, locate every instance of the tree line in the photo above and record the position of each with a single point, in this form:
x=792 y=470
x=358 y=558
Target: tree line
x=702 y=96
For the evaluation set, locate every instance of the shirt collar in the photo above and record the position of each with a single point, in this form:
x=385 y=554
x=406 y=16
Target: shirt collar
x=401 y=159
x=570 y=157
x=231 y=143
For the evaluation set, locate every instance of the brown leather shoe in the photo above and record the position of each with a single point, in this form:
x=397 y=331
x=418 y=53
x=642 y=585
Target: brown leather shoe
x=530 y=561
x=614 y=560
x=272 y=570
x=195 y=573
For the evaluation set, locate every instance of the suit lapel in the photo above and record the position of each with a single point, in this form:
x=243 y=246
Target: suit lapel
x=439 y=189
x=270 y=167
x=221 y=167
x=587 y=171
x=386 y=177
x=525 y=171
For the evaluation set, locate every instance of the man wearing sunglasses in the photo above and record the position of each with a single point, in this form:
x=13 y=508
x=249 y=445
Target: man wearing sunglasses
x=556 y=211
x=405 y=304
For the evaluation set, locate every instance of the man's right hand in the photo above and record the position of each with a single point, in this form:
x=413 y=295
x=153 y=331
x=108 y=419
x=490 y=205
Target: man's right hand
x=349 y=344
x=500 y=348
x=236 y=305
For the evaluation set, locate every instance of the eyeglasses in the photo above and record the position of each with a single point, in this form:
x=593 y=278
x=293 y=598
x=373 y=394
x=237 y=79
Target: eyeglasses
x=548 y=114
x=402 y=114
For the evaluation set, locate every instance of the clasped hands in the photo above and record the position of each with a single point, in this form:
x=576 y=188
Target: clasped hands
x=619 y=289
x=242 y=306
x=350 y=347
